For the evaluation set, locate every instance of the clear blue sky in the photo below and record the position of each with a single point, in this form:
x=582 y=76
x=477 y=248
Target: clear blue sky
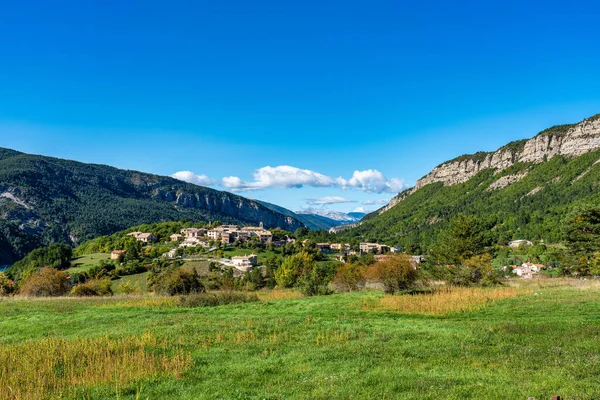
x=226 y=88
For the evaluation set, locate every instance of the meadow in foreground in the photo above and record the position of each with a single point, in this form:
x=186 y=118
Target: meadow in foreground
x=537 y=340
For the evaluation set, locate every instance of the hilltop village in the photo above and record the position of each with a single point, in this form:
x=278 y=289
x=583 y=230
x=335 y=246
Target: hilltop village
x=212 y=239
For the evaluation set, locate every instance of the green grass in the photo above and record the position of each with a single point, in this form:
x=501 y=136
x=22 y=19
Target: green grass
x=262 y=256
x=84 y=263
x=201 y=266
x=542 y=343
x=138 y=280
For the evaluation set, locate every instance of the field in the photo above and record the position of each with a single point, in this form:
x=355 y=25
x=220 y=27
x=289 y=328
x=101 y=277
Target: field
x=530 y=339
x=137 y=281
x=84 y=263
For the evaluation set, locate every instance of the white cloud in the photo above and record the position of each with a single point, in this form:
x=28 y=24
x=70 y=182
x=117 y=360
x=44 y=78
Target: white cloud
x=359 y=210
x=373 y=181
x=190 y=177
x=285 y=177
x=374 y=202
x=329 y=200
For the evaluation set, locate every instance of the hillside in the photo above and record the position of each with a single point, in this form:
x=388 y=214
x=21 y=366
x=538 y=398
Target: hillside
x=47 y=200
x=522 y=190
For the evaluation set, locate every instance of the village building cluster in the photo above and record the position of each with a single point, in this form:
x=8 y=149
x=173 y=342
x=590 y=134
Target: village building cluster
x=143 y=237
x=225 y=234
x=527 y=270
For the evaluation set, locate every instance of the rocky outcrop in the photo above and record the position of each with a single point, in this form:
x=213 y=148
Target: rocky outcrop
x=565 y=140
x=506 y=181
x=570 y=141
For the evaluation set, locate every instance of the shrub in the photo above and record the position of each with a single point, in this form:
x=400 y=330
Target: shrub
x=293 y=267
x=216 y=299
x=395 y=273
x=127 y=288
x=94 y=287
x=314 y=282
x=46 y=282
x=349 y=277
x=477 y=270
x=6 y=285
x=173 y=281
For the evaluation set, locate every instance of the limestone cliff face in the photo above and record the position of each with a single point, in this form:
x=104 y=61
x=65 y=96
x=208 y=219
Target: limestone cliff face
x=236 y=207
x=577 y=140
x=566 y=140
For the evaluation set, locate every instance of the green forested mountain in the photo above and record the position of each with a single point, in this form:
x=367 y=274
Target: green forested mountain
x=47 y=200
x=518 y=192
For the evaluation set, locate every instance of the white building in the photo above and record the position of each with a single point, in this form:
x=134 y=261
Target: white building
x=517 y=243
x=244 y=263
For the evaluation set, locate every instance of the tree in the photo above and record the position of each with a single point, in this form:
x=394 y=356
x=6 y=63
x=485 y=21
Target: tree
x=582 y=231
x=349 y=277
x=46 y=282
x=56 y=256
x=293 y=267
x=395 y=273
x=314 y=281
x=6 y=285
x=477 y=270
x=461 y=240
x=176 y=280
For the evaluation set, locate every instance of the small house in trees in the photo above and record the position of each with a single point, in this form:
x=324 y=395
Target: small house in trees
x=176 y=237
x=117 y=254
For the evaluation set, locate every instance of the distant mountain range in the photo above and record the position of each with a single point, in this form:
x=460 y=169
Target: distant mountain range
x=523 y=190
x=46 y=200
x=325 y=219
x=318 y=219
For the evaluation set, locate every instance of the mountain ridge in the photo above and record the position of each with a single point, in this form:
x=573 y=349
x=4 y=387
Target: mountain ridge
x=524 y=190
x=566 y=140
x=45 y=200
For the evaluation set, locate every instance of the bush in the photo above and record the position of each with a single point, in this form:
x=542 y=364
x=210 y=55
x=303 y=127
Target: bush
x=173 y=281
x=314 y=282
x=349 y=277
x=216 y=299
x=292 y=268
x=395 y=273
x=127 y=288
x=477 y=270
x=6 y=285
x=46 y=282
x=95 y=287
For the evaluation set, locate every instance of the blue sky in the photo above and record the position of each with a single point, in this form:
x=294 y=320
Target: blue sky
x=315 y=90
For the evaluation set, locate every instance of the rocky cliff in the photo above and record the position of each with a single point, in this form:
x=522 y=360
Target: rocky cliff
x=565 y=140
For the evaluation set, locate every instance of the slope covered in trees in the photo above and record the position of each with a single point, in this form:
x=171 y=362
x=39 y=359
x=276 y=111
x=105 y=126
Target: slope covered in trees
x=47 y=200
x=532 y=206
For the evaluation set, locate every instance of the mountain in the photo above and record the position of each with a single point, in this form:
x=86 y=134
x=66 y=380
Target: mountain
x=522 y=190
x=317 y=219
x=47 y=200
x=334 y=215
x=357 y=215
x=325 y=219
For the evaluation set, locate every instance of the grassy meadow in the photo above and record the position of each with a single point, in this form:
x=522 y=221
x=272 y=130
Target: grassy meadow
x=87 y=262
x=527 y=339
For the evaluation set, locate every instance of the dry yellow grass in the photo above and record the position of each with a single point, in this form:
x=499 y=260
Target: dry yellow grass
x=441 y=301
x=54 y=367
x=278 y=294
x=147 y=301
x=545 y=283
